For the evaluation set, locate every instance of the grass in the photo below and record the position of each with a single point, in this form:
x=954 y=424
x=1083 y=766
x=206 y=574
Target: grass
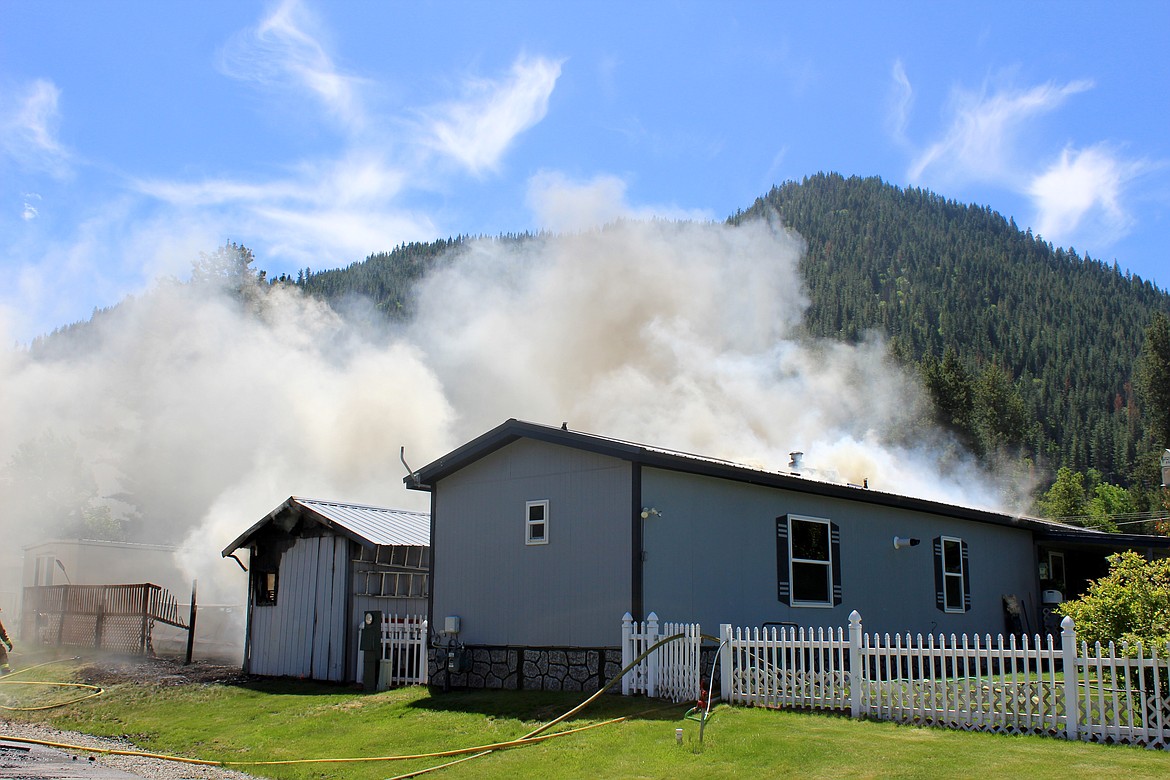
x=277 y=720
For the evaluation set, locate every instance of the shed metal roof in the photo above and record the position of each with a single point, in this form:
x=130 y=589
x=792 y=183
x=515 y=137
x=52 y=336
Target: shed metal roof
x=367 y=525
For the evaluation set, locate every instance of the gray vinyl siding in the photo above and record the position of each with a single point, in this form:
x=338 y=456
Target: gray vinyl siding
x=304 y=633
x=711 y=558
x=569 y=592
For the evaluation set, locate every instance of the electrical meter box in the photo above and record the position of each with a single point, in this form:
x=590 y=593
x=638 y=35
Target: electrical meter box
x=458 y=660
x=370 y=637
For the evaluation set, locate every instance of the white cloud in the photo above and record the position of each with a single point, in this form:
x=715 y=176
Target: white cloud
x=564 y=206
x=329 y=211
x=1079 y=197
x=329 y=207
x=30 y=212
x=28 y=129
x=279 y=52
x=901 y=100
x=979 y=144
x=479 y=129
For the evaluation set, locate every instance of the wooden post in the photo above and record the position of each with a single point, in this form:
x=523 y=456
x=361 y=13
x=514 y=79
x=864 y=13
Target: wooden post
x=144 y=638
x=856 y=672
x=64 y=611
x=1068 y=653
x=191 y=624
x=99 y=619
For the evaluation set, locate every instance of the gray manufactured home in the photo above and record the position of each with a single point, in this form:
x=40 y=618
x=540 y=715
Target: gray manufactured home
x=315 y=568
x=543 y=538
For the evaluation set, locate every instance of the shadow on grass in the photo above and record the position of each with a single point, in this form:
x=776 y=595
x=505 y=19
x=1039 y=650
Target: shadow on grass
x=543 y=706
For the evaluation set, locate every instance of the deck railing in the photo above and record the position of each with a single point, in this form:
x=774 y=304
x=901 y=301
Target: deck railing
x=117 y=618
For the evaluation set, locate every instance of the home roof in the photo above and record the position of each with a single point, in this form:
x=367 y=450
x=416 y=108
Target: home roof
x=513 y=429
x=367 y=525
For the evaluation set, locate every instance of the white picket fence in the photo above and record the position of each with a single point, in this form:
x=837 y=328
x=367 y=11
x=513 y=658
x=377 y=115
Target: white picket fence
x=1012 y=685
x=785 y=667
x=404 y=651
x=670 y=672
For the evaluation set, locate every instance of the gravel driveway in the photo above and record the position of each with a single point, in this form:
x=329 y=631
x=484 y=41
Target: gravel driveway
x=33 y=762
x=29 y=762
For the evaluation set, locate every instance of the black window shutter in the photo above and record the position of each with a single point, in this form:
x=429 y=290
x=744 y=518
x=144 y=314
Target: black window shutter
x=835 y=555
x=966 y=579
x=940 y=598
x=783 y=588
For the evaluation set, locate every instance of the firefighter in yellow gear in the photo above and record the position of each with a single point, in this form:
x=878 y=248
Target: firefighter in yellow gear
x=5 y=646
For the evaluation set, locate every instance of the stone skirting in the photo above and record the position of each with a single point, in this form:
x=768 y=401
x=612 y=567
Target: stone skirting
x=529 y=668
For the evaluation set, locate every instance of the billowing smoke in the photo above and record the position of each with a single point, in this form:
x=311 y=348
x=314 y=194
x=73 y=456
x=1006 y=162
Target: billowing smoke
x=185 y=415
x=681 y=335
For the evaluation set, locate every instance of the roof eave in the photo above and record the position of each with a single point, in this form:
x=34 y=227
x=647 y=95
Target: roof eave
x=514 y=429
x=242 y=539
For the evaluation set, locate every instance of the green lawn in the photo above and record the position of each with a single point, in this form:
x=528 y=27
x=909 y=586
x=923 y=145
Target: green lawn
x=279 y=720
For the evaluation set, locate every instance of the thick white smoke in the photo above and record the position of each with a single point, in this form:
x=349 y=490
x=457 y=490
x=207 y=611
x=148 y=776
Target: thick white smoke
x=682 y=335
x=208 y=411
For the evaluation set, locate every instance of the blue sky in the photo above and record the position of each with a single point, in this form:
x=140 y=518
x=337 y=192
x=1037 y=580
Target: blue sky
x=134 y=135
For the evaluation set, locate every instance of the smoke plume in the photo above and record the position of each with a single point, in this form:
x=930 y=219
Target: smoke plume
x=184 y=415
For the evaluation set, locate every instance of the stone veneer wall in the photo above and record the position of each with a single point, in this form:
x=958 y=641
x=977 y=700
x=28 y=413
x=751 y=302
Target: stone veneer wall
x=531 y=668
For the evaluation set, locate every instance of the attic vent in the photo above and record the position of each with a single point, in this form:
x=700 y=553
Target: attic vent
x=795 y=464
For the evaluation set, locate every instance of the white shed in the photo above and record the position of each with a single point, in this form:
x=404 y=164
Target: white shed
x=315 y=568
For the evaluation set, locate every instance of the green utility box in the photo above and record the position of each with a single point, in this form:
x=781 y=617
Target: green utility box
x=370 y=643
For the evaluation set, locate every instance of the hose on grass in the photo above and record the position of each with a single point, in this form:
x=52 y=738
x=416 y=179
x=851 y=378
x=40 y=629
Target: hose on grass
x=532 y=737
x=533 y=734
x=94 y=690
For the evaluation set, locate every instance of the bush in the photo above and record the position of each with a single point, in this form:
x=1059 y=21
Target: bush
x=1129 y=604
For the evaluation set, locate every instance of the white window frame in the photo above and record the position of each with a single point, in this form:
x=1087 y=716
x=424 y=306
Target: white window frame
x=827 y=564
x=960 y=575
x=529 y=523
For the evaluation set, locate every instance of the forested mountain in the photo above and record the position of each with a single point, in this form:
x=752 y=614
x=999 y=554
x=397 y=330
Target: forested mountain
x=1051 y=336
x=385 y=278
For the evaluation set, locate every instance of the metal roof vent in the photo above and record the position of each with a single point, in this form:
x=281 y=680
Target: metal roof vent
x=795 y=463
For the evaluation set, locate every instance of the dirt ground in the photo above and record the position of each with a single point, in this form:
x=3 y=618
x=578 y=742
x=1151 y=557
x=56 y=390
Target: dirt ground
x=159 y=671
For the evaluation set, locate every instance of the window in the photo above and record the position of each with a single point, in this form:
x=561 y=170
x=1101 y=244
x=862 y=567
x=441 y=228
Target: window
x=951 y=580
x=808 y=551
x=536 y=522
x=1056 y=570
x=266 y=588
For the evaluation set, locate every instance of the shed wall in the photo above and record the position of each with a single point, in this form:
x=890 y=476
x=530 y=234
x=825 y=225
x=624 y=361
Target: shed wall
x=304 y=633
x=569 y=592
x=711 y=558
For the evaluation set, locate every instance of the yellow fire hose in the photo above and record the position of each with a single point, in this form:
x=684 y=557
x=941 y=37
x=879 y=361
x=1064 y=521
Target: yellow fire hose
x=532 y=737
x=94 y=690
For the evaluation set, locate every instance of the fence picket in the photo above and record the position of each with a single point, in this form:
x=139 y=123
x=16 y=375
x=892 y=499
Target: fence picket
x=1007 y=685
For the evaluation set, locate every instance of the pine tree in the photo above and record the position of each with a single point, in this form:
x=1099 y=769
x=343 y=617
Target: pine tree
x=1153 y=380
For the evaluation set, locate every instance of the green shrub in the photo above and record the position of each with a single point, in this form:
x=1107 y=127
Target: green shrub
x=1129 y=604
